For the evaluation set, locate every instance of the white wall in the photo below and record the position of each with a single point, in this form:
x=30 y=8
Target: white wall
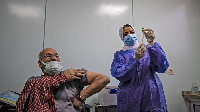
x=86 y=37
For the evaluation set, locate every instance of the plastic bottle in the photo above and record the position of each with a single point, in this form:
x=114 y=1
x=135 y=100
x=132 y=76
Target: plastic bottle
x=194 y=88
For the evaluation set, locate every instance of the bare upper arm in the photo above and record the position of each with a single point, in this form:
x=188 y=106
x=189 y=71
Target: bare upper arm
x=92 y=75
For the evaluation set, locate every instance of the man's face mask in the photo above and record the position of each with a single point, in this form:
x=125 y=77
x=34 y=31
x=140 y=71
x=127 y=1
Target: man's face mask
x=52 y=67
x=130 y=40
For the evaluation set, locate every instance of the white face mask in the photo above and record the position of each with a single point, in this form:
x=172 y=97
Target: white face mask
x=52 y=67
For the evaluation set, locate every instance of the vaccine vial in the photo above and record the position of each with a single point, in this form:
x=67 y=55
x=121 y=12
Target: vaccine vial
x=143 y=35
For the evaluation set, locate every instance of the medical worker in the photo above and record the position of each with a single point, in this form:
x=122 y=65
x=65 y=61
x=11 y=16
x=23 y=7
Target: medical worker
x=135 y=66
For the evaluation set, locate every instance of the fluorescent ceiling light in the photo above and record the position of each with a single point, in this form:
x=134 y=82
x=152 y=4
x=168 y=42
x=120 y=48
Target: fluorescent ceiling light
x=112 y=9
x=25 y=11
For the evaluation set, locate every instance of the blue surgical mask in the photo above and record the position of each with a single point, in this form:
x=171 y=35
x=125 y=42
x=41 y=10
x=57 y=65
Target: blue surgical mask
x=130 y=40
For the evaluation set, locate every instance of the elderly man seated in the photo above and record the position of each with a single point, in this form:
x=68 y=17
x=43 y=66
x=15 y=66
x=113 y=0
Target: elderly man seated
x=58 y=90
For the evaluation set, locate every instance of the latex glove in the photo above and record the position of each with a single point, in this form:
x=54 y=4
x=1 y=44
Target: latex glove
x=150 y=35
x=140 y=52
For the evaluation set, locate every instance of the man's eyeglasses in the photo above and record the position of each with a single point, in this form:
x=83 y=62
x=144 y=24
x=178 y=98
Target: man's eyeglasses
x=48 y=55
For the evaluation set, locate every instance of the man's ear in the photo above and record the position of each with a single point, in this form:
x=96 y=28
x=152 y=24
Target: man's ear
x=40 y=64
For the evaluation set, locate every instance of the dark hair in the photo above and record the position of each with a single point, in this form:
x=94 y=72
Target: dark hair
x=127 y=25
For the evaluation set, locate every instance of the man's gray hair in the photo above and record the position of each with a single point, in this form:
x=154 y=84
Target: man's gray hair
x=40 y=56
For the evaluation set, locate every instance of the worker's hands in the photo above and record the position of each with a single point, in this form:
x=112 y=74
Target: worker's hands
x=140 y=52
x=77 y=104
x=72 y=74
x=149 y=34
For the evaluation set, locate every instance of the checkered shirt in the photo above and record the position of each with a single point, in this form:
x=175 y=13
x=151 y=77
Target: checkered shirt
x=37 y=95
